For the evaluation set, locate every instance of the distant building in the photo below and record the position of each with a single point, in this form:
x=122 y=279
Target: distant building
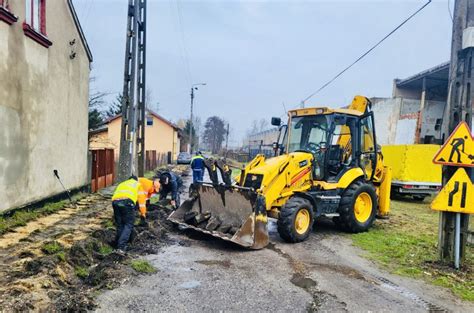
x=161 y=136
x=44 y=91
x=261 y=142
x=414 y=114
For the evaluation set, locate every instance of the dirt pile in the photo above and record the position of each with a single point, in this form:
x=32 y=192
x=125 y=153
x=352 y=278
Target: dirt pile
x=62 y=268
x=181 y=170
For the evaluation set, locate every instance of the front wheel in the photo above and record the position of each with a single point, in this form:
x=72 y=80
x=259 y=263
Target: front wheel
x=296 y=220
x=358 y=207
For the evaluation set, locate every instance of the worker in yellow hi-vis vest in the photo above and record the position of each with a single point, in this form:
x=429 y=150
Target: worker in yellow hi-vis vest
x=129 y=195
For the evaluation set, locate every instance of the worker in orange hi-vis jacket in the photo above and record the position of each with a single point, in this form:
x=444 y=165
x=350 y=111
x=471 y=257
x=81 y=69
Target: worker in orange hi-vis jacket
x=146 y=189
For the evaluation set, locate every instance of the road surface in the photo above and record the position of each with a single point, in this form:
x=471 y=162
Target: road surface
x=325 y=273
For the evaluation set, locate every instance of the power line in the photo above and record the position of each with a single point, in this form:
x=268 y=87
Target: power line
x=366 y=53
x=449 y=10
x=183 y=45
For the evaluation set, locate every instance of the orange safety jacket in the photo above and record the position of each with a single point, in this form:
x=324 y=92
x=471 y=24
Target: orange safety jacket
x=146 y=189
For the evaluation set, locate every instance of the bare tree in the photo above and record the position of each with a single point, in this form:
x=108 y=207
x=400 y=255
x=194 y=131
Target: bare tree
x=254 y=128
x=149 y=102
x=263 y=125
x=96 y=105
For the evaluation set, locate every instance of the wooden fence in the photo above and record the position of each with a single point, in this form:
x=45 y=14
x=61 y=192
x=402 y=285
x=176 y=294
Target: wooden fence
x=154 y=159
x=102 y=168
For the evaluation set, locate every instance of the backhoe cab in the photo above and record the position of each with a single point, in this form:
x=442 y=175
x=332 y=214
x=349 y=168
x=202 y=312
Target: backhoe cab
x=326 y=162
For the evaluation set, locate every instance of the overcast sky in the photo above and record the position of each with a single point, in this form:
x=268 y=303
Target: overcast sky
x=256 y=55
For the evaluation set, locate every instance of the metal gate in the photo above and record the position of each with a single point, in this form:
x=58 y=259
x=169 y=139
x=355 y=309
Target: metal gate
x=102 y=169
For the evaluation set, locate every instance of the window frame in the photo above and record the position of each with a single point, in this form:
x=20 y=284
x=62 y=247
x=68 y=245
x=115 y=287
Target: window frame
x=36 y=32
x=148 y=119
x=5 y=14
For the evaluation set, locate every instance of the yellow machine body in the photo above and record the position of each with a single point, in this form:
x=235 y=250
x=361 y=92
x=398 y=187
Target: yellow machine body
x=342 y=175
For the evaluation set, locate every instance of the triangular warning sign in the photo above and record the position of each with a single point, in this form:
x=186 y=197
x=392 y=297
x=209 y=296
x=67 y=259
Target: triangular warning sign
x=457 y=195
x=458 y=150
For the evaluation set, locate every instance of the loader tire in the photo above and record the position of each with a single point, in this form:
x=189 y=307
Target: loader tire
x=296 y=220
x=358 y=207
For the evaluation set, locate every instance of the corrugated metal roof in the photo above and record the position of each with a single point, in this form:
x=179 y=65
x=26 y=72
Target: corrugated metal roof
x=434 y=76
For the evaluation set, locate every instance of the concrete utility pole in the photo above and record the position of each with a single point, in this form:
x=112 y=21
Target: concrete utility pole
x=136 y=31
x=191 y=122
x=193 y=87
x=141 y=87
x=458 y=108
x=226 y=141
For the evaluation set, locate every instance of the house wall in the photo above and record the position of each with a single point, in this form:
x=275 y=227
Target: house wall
x=432 y=113
x=396 y=120
x=43 y=108
x=161 y=137
x=386 y=114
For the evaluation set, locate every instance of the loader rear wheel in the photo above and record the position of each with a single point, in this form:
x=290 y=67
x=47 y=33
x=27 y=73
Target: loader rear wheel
x=296 y=220
x=358 y=207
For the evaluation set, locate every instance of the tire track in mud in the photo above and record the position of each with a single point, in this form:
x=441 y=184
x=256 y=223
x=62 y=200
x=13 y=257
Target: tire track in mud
x=321 y=299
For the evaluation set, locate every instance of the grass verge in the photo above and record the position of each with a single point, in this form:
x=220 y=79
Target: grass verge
x=105 y=249
x=142 y=266
x=406 y=244
x=81 y=272
x=22 y=217
x=52 y=247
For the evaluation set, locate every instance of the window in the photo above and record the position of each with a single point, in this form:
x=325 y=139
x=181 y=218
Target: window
x=35 y=21
x=35 y=15
x=5 y=14
x=149 y=121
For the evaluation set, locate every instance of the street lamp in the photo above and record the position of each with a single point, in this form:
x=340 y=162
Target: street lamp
x=193 y=87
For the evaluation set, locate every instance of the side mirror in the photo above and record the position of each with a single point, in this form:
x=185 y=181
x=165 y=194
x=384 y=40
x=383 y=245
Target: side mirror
x=275 y=145
x=276 y=121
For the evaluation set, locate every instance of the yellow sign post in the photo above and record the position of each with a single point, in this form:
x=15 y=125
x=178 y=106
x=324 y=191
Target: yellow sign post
x=457 y=195
x=458 y=150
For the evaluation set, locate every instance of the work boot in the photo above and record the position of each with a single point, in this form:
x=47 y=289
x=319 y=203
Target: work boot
x=120 y=252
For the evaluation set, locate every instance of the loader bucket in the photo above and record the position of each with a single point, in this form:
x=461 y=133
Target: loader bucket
x=232 y=213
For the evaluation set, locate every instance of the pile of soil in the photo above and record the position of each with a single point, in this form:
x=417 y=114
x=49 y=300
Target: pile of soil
x=68 y=277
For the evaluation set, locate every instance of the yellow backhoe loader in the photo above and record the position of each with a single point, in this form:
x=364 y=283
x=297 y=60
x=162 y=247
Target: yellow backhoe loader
x=326 y=162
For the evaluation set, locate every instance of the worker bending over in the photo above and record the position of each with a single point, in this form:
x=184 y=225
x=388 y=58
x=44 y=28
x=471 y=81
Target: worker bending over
x=170 y=183
x=197 y=165
x=129 y=195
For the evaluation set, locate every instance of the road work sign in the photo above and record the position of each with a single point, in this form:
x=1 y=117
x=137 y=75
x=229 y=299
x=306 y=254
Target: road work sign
x=457 y=195
x=458 y=150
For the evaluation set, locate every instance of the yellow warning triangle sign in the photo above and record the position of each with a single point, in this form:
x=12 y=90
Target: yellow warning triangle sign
x=458 y=150
x=457 y=195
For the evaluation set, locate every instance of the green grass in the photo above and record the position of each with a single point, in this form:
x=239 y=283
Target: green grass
x=52 y=247
x=105 y=249
x=109 y=224
x=236 y=172
x=154 y=200
x=81 y=272
x=61 y=255
x=406 y=244
x=22 y=217
x=142 y=266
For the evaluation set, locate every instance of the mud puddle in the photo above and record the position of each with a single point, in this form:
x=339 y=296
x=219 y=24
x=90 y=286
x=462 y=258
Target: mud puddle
x=221 y=263
x=322 y=301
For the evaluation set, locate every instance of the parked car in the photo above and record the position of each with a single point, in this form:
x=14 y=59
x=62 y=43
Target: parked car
x=184 y=158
